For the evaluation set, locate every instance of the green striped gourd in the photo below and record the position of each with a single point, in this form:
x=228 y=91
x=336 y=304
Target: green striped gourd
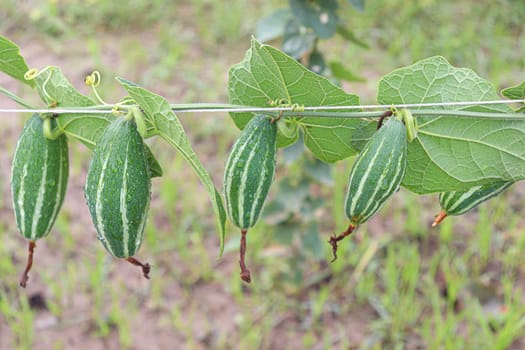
x=459 y=202
x=38 y=182
x=118 y=188
x=376 y=174
x=250 y=170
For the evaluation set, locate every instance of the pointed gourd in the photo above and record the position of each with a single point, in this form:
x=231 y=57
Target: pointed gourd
x=39 y=177
x=460 y=202
x=118 y=190
x=376 y=174
x=250 y=170
x=249 y=173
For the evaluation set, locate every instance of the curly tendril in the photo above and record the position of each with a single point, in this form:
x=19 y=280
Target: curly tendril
x=297 y=107
x=282 y=102
x=31 y=74
x=93 y=80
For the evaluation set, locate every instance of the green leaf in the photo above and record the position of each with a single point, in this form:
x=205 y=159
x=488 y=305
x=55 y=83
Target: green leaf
x=158 y=111
x=320 y=15
x=268 y=74
x=272 y=26
x=329 y=139
x=364 y=131
x=296 y=41
x=155 y=170
x=516 y=93
x=340 y=72
x=454 y=153
x=55 y=90
x=11 y=62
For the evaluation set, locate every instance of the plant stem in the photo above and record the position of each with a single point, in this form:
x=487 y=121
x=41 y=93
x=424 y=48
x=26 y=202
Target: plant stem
x=439 y=218
x=25 y=276
x=245 y=273
x=336 y=238
x=415 y=112
x=318 y=111
x=191 y=106
x=15 y=98
x=146 y=268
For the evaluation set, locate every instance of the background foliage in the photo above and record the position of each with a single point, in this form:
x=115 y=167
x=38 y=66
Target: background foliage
x=397 y=284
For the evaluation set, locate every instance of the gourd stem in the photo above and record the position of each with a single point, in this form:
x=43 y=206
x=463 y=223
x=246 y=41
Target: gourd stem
x=146 y=268
x=439 y=218
x=245 y=273
x=382 y=118
x=336 y=238
x=25 y=276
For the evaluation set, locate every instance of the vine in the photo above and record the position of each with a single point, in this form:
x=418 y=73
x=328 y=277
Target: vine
x=460 y=133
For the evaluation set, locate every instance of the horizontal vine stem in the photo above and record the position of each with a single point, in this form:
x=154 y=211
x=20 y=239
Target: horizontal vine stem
x=417 y=113
x=372 y=114
x=327 y=111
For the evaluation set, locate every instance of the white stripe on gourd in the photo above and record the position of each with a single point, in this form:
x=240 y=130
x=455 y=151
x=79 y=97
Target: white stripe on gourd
x=123 y=206
x=142 y=226
x=20 y=214
x=98 y=215
x=37 y=214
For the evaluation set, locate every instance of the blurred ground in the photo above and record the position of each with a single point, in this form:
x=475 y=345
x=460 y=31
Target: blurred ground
x=396 y=285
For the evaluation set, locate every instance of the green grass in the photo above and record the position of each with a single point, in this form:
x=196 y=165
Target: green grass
x=398 y=284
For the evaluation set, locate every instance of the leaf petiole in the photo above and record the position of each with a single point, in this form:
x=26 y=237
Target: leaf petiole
x=15 y=98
